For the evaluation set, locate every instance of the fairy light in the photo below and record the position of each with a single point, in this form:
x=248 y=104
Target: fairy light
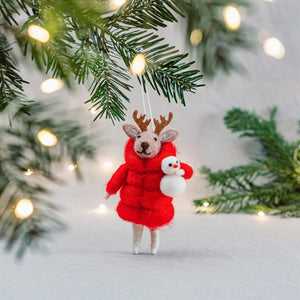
x=51 y=85
x=116 y=4
x=231 y=17
x=38 y=33
x=28 y=172
x=196 y=37
x=205 y=204
x=273 y=47
x=107 y=164
x=261 y=214
x=47 y=138
x=23 y=209
x=72 y=167
x=102 y=208
x=93 y=110
x=138 y=65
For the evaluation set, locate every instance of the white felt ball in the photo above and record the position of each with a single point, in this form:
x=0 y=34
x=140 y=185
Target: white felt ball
x=172 y=185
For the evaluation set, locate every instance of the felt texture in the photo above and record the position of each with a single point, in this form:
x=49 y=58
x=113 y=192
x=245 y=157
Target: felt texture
x=142 y=202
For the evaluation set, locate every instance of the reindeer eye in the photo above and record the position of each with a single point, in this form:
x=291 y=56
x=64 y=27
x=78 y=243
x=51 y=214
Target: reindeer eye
x=155 y=139
x=138 y=136
x=170 y=165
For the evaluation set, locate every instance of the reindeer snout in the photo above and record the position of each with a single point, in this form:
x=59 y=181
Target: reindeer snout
x=144 y=145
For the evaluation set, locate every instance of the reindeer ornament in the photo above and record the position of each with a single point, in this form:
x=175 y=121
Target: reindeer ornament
x=142 y=201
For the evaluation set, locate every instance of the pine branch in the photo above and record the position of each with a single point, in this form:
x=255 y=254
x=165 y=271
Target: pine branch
x=11 y=83
x=215 y=52
x=77 y=34
x=20 y=150
x=270 y=183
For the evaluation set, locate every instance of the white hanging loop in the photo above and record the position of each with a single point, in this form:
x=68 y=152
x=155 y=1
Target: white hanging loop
x=149 y=104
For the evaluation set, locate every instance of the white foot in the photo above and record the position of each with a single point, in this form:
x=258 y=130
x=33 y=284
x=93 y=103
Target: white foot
x=154 y=241
x=137 y=237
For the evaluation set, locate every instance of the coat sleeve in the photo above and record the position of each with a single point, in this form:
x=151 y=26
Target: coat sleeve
x=117 y=180
x=187 y=169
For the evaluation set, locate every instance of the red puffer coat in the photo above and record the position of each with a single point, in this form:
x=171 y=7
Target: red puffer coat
x=142 y=202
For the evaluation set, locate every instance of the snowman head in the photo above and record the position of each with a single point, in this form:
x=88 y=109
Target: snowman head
x=170 y=164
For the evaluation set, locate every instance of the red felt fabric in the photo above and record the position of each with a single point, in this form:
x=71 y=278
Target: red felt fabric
x=142 y=202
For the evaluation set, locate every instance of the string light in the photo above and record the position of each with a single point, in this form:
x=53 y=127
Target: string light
x=232 y=17
x=273 y=47
x=51 y=85
x=23 y=209
x=205 y=204
x=196 y=37
x=93 y=110
x=107 y=164
x=138 y=65
x=261 y=214
x=28 y=172
x=47 y=138
x=102 y=208
x=38 y=33
x=72 y=167
x=116 y=4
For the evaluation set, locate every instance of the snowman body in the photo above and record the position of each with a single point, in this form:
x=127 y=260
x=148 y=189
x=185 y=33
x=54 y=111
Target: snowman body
x=172 y=184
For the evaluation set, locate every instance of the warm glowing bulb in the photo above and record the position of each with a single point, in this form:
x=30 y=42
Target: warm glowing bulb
x=261 y=214
x=51 y=85
x=107 y=164
x=93 y=110
x=47 y=138
x=102 y=208
x=138 y=65
x=38 y=33
x=232 y=17
x=28 y=172
x=273 y=47
x=196 y=37
x=72 y=167
x=23 y=209
x=115 y=4
x=205 y=204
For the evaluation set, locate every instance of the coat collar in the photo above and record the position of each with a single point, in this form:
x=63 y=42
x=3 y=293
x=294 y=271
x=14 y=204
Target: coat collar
x=151 y=164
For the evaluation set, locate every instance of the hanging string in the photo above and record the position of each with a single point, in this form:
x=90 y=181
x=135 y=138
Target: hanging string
x=150 y=110
x=149 y=104
x=143 y=98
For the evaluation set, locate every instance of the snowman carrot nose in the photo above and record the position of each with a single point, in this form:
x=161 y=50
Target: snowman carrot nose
x=175 y=166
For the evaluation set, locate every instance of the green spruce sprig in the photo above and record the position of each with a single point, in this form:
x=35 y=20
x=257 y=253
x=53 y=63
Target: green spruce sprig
x=271 y=182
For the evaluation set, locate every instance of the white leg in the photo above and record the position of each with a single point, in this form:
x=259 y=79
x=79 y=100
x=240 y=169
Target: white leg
x=154 y=241
x=137 y=237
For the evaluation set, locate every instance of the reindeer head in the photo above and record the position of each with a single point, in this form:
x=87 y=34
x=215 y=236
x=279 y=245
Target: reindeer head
x=148 y=144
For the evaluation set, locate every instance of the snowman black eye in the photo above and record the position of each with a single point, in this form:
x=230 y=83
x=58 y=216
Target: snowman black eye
x=176 y=161
x=170 y=165
x=155 y=139
x=138 y=136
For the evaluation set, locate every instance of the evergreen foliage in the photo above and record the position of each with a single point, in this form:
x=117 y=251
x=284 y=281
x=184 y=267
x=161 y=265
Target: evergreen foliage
x=88 y=42
x=215 y=52
x=20 y=150
x=270 y=183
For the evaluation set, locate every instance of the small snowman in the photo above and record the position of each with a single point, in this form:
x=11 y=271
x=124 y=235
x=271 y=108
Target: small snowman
x=172 y=184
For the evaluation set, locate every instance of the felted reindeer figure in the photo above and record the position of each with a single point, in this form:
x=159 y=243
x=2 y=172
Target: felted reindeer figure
x=142 y=201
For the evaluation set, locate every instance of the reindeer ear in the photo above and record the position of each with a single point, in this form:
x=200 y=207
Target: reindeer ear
x=131 y=130
x=169 y=135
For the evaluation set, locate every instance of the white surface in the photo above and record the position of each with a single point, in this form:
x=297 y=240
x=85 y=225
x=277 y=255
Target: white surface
x=200 y=257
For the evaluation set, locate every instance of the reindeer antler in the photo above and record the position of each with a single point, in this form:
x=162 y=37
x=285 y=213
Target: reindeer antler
x=160 y=125
x=140 y=121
